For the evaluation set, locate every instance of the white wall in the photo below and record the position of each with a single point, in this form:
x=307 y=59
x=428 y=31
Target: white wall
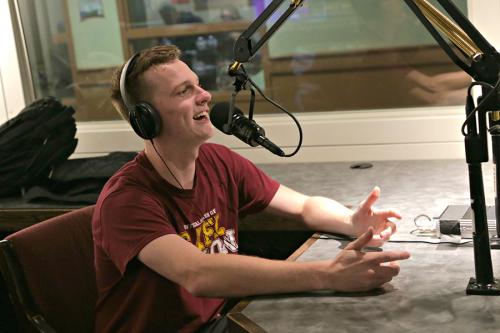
x=430 y=133
x=400 y=134
x=484 y=14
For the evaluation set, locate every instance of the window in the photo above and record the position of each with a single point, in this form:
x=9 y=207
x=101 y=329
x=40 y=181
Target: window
x=330 y=55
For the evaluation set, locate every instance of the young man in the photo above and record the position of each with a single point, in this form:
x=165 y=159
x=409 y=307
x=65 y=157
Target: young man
x=165 y=225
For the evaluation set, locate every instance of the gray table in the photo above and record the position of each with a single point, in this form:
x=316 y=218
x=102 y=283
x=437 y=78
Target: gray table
x=428 y=295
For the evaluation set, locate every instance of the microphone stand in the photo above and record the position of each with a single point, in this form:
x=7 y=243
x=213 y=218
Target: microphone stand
x=483 y=67
x=495 y=144
x=476 y=152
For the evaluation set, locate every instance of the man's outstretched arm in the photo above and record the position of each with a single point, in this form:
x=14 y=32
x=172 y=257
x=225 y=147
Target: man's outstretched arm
x=225 y=275
x=324 y=214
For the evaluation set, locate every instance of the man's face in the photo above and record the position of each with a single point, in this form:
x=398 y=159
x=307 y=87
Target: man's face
x=175 y=92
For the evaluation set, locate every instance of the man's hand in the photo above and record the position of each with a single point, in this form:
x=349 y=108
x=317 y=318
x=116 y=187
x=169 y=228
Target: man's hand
x=367 y=216
x=354 y=271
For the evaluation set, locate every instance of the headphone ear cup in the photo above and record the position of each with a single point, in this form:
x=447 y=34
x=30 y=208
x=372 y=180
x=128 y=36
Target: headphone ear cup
x=145 y=121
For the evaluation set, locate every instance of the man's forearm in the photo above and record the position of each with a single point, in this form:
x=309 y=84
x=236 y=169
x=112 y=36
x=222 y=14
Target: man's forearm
x=324 y=214
x=228 y=275
x=222 y=275
x=317 y=213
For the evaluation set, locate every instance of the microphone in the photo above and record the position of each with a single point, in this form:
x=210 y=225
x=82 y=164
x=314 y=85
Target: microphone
x=247 y=130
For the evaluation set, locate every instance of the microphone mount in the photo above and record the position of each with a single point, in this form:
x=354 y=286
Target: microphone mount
x=241 y=78
x=240 y=83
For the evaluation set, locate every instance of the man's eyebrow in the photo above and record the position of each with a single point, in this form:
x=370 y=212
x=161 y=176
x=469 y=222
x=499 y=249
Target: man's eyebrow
x=181 y=84
x=186 y=82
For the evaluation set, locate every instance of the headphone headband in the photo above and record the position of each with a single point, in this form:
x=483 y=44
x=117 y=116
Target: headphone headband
x=123 y=80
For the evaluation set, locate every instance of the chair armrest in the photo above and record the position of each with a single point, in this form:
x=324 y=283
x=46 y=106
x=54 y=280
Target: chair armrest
x=17 y=288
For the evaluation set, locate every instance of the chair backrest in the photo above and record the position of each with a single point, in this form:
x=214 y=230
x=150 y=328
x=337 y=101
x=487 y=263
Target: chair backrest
x=49 y=273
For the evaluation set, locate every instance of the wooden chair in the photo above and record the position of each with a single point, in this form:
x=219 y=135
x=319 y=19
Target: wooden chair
x=48 y=271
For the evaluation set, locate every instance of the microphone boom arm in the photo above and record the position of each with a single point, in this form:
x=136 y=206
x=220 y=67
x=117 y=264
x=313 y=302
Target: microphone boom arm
x=243 y=49
x=484 y=59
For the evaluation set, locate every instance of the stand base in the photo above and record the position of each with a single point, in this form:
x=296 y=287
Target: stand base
x=495 y=242
x=474 y=288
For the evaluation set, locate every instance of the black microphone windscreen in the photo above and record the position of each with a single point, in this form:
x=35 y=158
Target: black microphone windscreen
x=219 y=114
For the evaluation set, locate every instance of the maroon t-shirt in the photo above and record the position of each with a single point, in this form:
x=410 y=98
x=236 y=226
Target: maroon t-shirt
x=137 y=205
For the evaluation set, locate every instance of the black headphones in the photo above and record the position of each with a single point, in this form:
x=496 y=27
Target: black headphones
x=143 y=117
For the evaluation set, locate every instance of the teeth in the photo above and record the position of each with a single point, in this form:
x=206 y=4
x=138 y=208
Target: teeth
x=199 y=115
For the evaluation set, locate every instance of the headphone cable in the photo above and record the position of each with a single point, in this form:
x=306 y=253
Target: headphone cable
x=177 y=180
x=165 y=163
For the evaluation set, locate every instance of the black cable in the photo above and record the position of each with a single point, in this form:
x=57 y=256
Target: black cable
x=427 y=242
x=165 y=163
x=279 y=107
x=349 y=239
x=487 y=97
x=177 y=180
x=469 y=96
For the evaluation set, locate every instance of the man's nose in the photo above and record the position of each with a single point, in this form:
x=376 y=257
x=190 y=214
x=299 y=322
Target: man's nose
x=204 y=96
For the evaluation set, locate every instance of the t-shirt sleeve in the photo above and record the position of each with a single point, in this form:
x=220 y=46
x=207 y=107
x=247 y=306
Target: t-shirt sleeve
x=255 y=188
x=131 y=219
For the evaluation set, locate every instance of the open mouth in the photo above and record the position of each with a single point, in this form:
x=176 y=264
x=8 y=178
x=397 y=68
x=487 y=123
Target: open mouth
x=201 y=116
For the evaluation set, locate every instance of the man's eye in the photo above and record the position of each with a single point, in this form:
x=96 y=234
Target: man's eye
x=184 y=91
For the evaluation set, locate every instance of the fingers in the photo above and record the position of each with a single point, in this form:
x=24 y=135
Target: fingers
x=370 y=200
x=361 y=271
x=386 y=233
x=383 y=236
x=392 y=226
x=386 y=256
x=376 y=241
x=384 y=274
x=370 y=239
x=388 y=213
x=362 y=241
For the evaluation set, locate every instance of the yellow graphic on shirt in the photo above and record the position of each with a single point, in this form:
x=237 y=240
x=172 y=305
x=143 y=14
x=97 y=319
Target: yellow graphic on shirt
x=210 y=237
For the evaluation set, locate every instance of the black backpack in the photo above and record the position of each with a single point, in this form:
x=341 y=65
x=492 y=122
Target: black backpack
x=39 y=137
